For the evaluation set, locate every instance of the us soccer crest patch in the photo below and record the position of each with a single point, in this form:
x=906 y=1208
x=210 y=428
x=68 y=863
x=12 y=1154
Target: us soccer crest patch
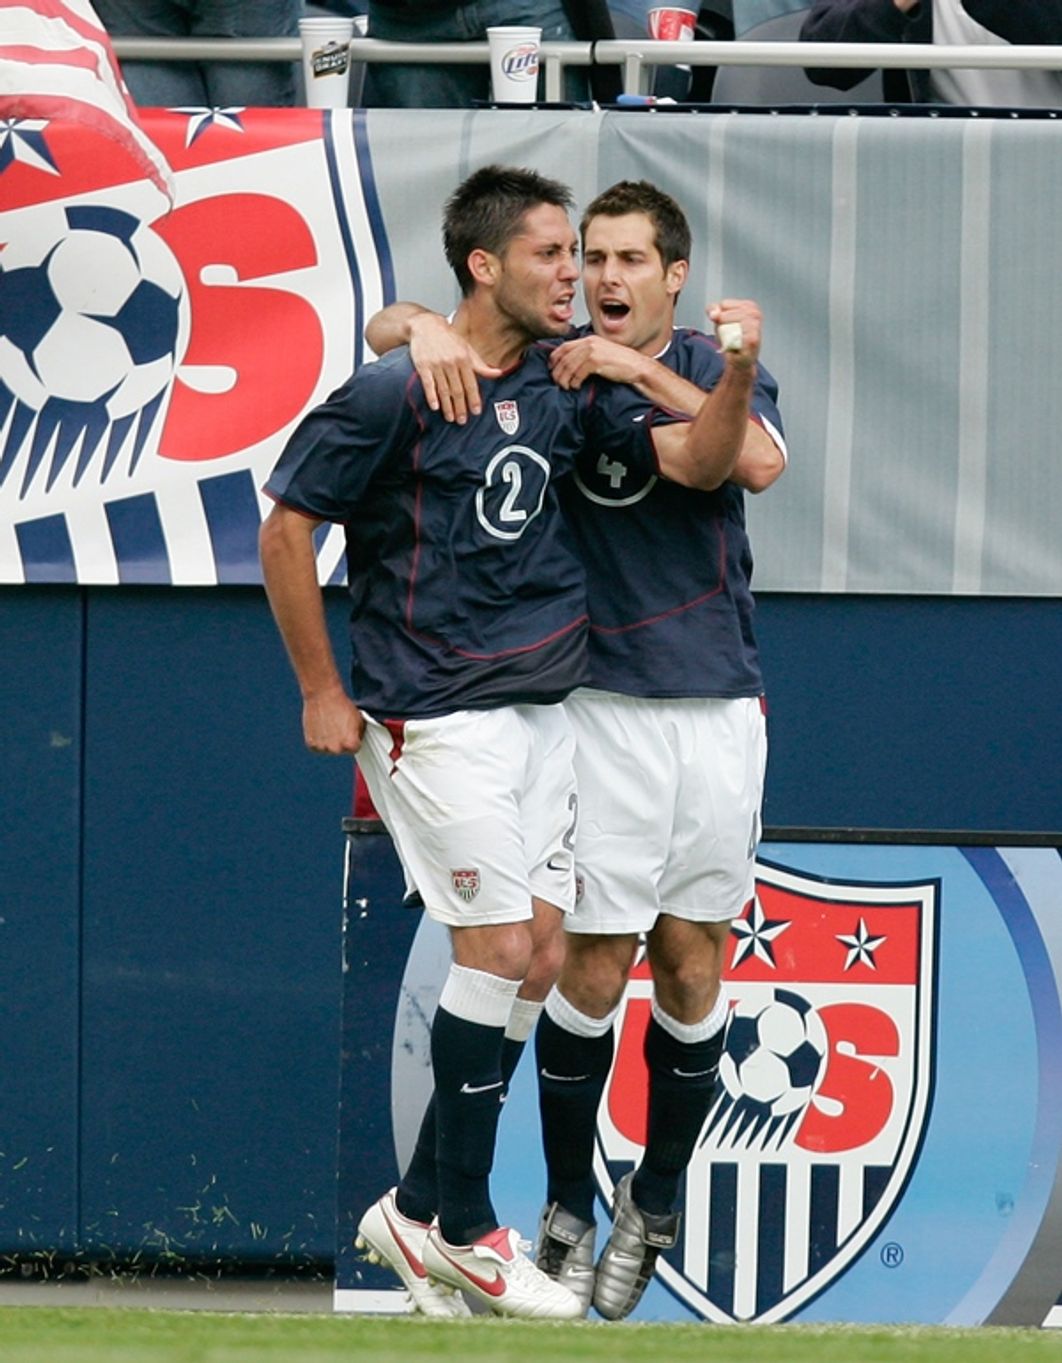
x=466 y=883
x=823 y=1094
x=508 y=416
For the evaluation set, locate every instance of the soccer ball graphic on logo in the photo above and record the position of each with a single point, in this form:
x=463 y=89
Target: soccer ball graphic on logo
x=91 y=313
x=774 y=1058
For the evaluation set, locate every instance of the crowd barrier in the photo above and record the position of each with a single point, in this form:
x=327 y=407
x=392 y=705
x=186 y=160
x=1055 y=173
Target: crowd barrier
x=632 y=55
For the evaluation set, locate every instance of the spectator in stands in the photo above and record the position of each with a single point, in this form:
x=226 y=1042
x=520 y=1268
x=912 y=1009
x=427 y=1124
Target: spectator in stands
x=346 y=9
x=438 y=86
x=210 y=84
x=1019 y=21
x=951 y=22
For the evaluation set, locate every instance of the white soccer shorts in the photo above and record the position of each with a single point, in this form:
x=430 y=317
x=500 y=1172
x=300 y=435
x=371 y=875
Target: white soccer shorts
x=481 y=805
x=670 y=793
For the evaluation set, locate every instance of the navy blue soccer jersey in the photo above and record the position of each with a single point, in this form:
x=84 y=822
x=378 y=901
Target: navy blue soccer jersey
x=668 y=568
x=466 y=591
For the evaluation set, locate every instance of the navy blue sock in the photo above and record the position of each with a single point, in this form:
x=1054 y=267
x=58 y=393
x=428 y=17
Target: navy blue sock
x=571 y=1079
x=418 y=1192
x=681 y=1084
x=469 y=1091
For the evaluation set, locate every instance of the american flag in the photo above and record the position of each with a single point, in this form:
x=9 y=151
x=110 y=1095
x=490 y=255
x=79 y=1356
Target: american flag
x=56 y=62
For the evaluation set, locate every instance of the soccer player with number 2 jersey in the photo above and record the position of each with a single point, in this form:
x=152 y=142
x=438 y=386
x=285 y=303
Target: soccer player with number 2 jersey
x=469 y=628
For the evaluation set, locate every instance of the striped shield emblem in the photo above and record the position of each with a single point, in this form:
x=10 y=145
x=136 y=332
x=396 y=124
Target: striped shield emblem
x=144 y=397
x=823 y=1093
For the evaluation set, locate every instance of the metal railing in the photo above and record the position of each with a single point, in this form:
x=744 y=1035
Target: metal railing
x=555 y=57
x=633 y=55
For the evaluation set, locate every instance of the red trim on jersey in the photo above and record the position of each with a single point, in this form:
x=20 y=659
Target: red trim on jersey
x=419 y=419
x=523 y=648
x=674 y=610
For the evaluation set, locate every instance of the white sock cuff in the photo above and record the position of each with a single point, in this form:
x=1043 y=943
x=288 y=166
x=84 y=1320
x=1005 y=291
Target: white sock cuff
x=522 y=1019
x=567 y=1016
x=688 y=1032
x=478 y=996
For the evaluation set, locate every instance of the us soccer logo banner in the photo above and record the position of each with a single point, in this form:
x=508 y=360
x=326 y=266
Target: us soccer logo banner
x=152 y=363
x=887 y=1136
x=823 y=1094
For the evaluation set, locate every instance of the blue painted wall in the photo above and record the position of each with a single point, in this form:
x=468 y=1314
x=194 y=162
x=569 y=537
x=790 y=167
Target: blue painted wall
x=171 y=877
x=913 y=712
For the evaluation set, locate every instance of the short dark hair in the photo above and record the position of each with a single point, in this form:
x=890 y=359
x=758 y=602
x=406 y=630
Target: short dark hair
x=671 y=231
x=487 y=210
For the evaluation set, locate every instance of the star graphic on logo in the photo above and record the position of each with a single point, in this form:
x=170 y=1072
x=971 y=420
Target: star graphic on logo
x=755 y=935
x=22 y=139
x=861 y=946
x=200 y=118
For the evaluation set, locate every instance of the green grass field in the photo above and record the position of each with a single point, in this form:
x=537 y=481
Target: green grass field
x=105 y=1335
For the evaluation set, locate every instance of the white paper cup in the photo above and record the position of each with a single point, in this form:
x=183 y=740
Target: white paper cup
x=514 y=64
x=326 y=61
x=671 y=24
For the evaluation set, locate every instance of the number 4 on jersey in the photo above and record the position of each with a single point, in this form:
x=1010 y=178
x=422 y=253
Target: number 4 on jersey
x=611 y=469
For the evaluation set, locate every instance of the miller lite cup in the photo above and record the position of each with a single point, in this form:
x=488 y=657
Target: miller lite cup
x=326 y=61
x=514 y=64
x=672 y=25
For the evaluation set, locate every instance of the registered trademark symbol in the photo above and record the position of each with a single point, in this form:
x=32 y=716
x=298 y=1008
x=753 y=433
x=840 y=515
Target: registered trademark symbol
x=892 y=1254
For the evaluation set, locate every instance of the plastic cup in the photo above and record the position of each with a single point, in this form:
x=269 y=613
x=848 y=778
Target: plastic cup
x=514 y=64
x=326 y=61
x=672 y=25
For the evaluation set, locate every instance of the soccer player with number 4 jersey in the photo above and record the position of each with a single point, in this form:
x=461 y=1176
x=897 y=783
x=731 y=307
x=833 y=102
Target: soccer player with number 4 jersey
x=670 y=729
x=469 y=628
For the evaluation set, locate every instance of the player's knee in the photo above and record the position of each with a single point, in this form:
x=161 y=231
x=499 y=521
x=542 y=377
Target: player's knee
x=687 y=989
x=544 y=967
x=504 y=949
x=594 y=974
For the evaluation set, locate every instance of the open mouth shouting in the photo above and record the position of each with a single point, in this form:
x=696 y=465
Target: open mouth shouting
x=613 y=314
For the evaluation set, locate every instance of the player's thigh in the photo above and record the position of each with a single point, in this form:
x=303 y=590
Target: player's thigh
x=448 y=791
x=549 y=805
x=624 y=777
x=722 y=748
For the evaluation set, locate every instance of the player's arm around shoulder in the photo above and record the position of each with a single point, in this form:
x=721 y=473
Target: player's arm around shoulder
x=573 y=363
x=331 y=722
x=449 y=368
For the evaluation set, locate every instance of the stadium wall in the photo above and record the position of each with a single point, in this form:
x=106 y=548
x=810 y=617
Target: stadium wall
x=172 y=880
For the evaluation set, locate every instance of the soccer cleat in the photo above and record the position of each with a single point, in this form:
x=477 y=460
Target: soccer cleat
x=388 y=1237
x=629 y=1257
x=496 y=1271
x=565 y=1251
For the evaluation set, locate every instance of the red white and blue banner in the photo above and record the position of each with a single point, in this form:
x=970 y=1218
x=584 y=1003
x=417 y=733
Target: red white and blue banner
x=57 y=63
x=886 y=1140
x=151 y=367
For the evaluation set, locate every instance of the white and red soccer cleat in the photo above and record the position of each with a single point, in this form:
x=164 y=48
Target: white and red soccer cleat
x=388 y=1237
x=496 y=1271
